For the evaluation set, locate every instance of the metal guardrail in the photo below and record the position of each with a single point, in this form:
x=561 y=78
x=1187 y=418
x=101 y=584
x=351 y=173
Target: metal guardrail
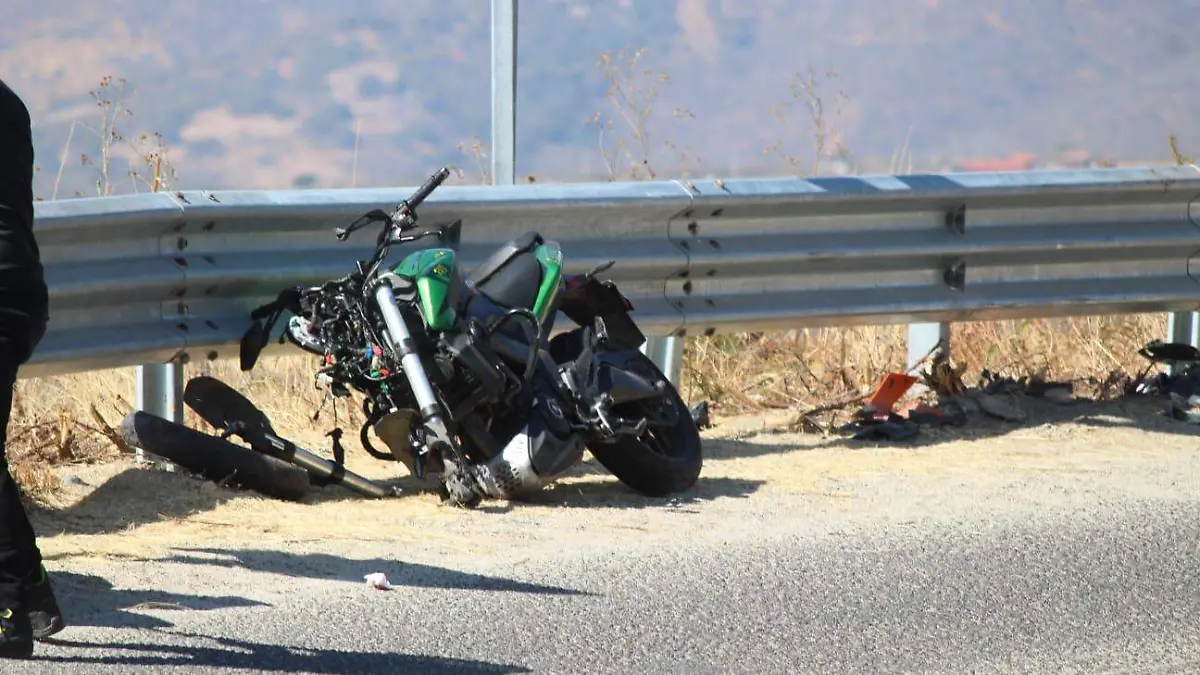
x=152 y=279
x=901 y=249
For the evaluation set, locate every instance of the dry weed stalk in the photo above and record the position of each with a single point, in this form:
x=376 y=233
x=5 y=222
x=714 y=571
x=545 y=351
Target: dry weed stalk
x=1180 y=158
x=902 y=159
x=112 y=97
x=633 y=90
x=477 y=150
x=827 y=139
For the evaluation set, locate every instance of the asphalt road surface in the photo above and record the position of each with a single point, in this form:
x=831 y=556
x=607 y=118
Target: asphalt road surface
x=1039 y=572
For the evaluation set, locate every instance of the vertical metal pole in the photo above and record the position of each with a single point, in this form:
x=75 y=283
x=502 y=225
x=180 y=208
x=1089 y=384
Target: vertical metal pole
x=1183 y=327
x=923 y=337
x=504 y=91
x=160 y=392
x=667 y=354
x=671 y=361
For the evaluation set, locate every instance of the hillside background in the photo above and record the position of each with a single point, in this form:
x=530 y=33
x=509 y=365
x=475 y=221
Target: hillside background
x=272 y=94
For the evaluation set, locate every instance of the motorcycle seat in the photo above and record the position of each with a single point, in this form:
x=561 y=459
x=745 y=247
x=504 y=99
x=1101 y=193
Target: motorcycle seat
x=511 y=275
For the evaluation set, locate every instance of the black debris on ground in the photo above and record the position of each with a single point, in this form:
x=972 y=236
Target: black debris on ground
x=948 y=402
x=700 y=415
x=1179 y=384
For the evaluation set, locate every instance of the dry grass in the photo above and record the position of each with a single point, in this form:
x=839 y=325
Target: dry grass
x=809 y=369
x=53 y=424
x=71 y=419
x=63 y=420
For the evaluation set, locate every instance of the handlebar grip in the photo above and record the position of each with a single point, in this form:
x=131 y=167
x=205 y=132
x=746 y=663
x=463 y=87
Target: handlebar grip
x=430 y=185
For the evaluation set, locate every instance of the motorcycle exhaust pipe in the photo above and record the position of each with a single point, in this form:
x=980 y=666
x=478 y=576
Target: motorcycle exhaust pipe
x=325 y=469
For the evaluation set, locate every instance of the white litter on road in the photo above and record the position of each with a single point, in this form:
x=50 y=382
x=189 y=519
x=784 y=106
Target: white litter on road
x=378 y=580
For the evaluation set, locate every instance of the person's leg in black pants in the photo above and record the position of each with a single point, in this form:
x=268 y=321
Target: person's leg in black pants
x=18 y=550
x=28 y=609
x=19 y=555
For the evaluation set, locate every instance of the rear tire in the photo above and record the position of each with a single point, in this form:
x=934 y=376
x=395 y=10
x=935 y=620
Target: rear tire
x=214 y=458
x=663 y=460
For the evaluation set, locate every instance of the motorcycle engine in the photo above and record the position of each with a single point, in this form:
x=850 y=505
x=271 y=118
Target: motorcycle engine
x=457 y=383
x=470 y=372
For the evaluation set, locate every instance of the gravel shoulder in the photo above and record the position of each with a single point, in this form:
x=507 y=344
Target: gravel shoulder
x=1069 y=544
x=1064 y=457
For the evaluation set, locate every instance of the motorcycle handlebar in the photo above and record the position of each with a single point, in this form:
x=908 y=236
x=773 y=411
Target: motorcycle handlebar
x=430 y=185
x=402 y=220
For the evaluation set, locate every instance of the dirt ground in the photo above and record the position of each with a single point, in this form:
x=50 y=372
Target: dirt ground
x=754 y=478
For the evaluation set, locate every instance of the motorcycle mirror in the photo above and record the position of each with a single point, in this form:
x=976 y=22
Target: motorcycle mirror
x=372 y=216
x=254 y=340
x=451 y=234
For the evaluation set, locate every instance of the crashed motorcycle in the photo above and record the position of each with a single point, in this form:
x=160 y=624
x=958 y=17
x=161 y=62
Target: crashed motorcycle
x=462 y=376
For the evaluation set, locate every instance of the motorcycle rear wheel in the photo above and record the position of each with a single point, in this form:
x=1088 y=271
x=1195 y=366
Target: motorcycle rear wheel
x=664 y=460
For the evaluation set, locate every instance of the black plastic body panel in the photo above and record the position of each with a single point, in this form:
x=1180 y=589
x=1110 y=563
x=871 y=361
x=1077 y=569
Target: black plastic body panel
x=587 y=298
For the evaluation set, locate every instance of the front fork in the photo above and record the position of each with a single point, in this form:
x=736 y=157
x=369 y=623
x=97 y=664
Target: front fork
x=405 y=347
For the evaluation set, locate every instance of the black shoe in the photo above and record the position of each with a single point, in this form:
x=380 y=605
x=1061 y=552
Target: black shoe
x=16 y=635
x=44 y=614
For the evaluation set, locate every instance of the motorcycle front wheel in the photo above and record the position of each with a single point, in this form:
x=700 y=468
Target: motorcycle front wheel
x=665 y=459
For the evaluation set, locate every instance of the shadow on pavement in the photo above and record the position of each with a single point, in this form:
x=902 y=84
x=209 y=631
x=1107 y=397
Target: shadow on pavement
x=131 y=498
x=333 y=568
x=1132 y=412
x=137 y=497
x=610 y=493
x=232 y=654
x=92 y=601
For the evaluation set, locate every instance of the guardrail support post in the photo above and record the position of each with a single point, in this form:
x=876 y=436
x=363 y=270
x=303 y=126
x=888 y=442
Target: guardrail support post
x=1183 y=327
x=667 y=354
x=504 y=91
x=923 y=337
x=160 y=392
